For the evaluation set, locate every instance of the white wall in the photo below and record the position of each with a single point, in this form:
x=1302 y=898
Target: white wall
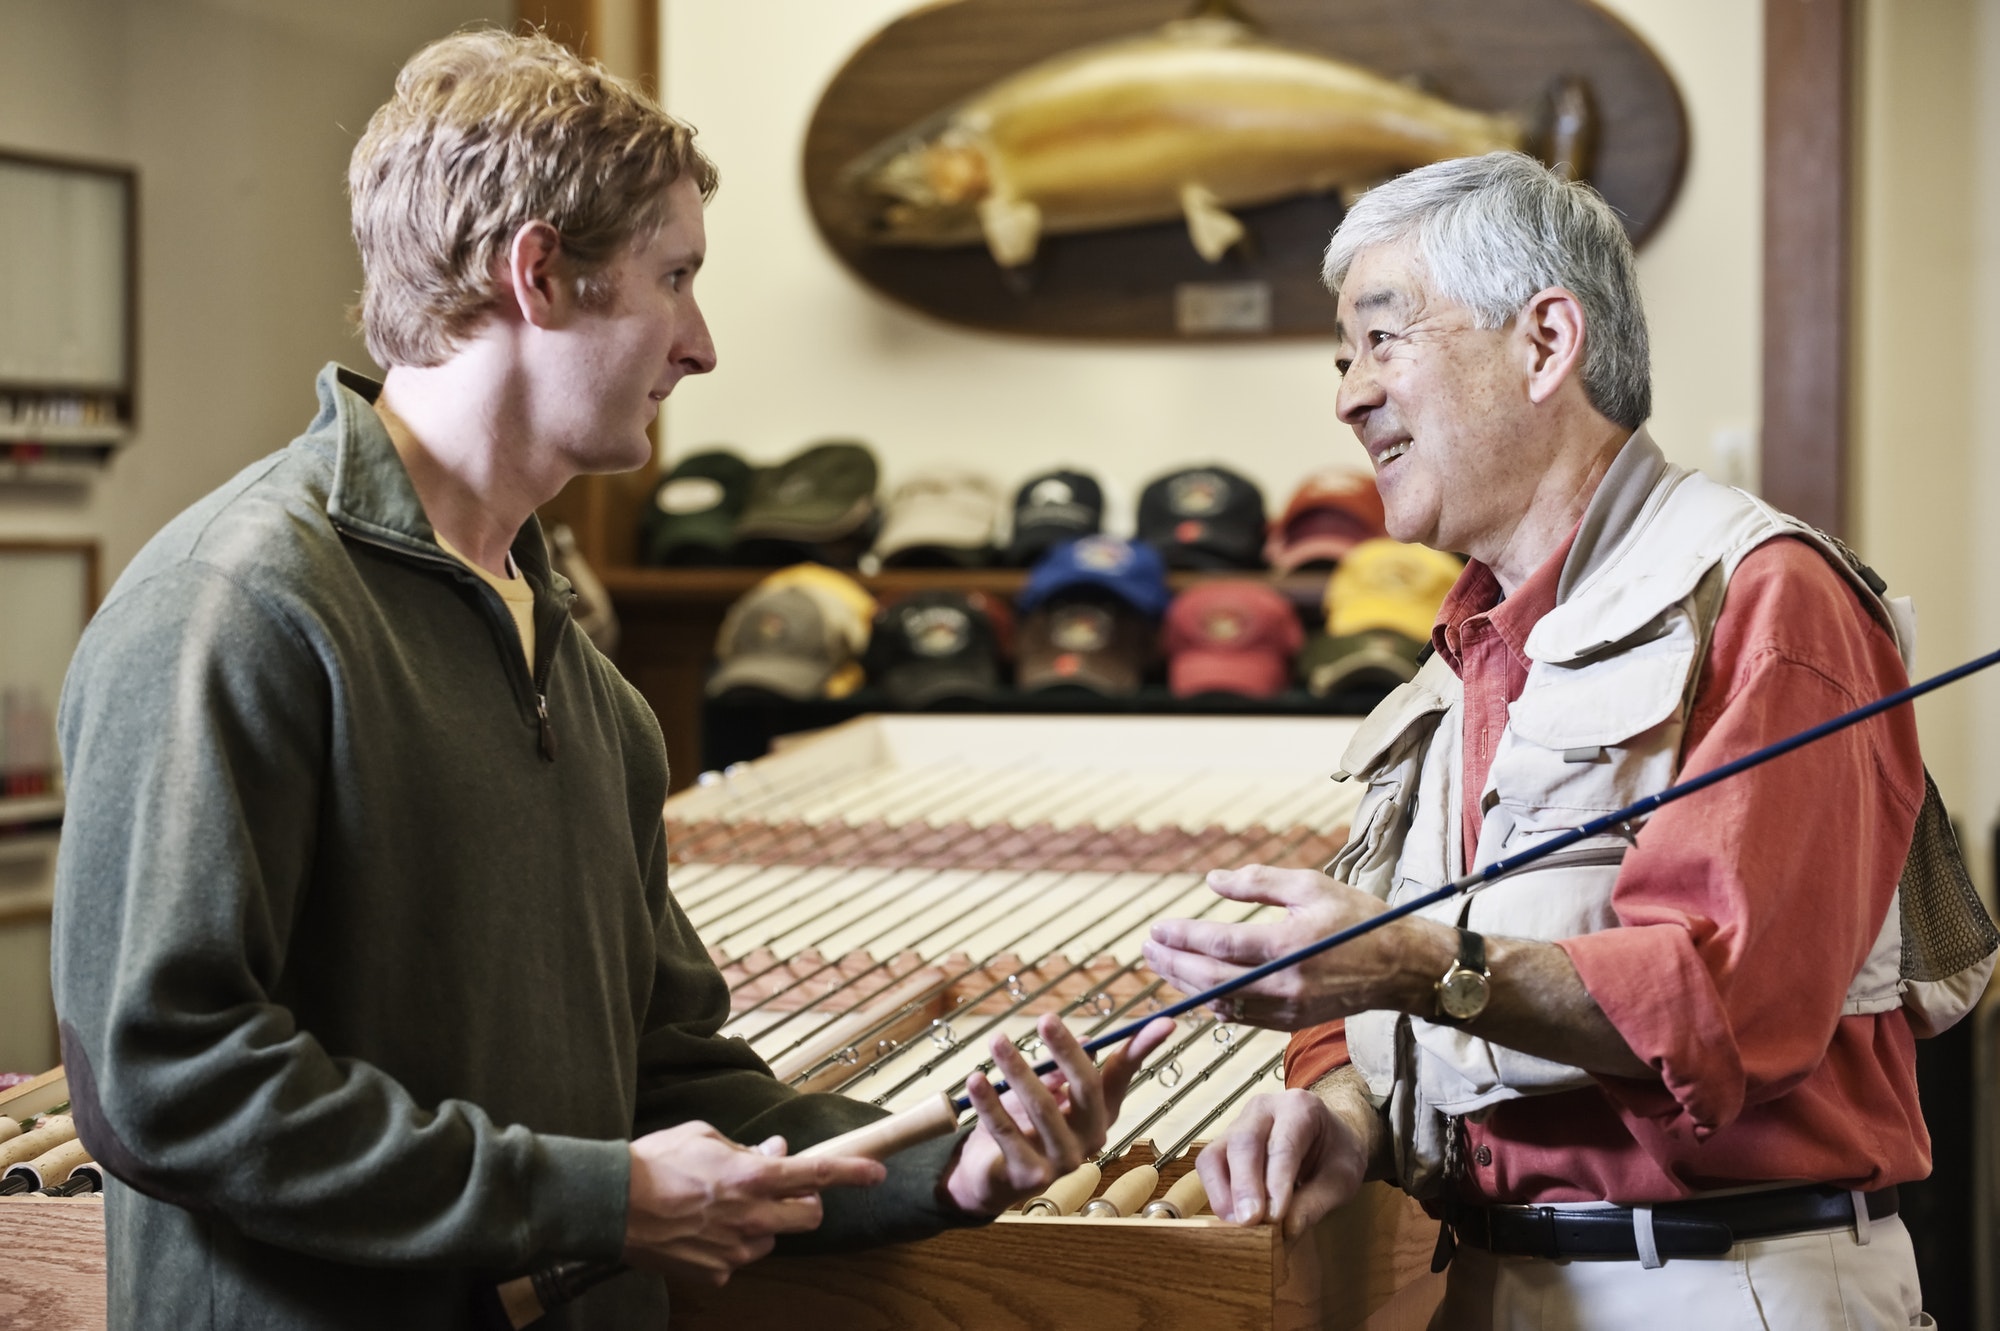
x=807 y=351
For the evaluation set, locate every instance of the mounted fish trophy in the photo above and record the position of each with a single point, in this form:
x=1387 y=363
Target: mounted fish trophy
x=1123 y=168
x=1199 y=117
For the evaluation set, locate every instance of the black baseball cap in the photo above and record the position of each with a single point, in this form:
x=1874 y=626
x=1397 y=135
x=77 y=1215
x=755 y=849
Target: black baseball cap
x=692 y=519
x=1051 y=508
x=934 y=647
x=1085 y=639
x=824 y=493
x=1204 y=517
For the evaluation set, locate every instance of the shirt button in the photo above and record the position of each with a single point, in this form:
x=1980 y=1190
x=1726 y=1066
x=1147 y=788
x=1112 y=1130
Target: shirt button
x=1482 y=1157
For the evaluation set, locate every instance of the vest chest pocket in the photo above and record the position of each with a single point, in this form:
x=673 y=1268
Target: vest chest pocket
x=1589 y=736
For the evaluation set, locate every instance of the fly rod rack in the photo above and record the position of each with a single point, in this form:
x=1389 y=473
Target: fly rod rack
x=886 y=895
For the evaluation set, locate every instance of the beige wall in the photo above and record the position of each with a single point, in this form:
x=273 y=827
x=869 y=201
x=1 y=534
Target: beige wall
x=806 y=351
x=1926 y=466
x=239 y=115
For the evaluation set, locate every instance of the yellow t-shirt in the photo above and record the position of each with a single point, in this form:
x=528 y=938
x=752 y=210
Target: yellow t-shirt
x=514 y=591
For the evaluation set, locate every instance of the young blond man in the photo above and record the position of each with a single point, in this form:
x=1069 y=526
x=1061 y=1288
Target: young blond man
x=371 y=987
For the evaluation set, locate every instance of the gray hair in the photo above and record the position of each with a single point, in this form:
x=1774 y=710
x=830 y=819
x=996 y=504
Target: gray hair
x=1492 y=231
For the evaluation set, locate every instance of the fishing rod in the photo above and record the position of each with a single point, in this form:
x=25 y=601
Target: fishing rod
x=1618 y=820
x=525 y=1299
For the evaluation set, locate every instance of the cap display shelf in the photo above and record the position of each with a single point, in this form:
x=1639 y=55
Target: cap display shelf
x=725 y=584
x=670 y=617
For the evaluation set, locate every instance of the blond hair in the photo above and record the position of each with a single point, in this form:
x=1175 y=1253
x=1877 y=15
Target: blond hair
x=486 y=132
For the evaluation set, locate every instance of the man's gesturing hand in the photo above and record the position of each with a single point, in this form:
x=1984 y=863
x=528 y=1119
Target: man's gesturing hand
x=1384 y=969
x=703 y=1205
x=1043 y=1127
x=1288 y=1158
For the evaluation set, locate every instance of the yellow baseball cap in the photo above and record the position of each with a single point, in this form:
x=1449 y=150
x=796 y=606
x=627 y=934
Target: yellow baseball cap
x=1384 y=584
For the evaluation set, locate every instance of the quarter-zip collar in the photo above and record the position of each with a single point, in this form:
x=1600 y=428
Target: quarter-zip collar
x=372 y=496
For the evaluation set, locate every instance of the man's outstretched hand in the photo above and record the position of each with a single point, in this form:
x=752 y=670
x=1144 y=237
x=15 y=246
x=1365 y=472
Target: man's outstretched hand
x=1394 y=967
x=1043 y=1127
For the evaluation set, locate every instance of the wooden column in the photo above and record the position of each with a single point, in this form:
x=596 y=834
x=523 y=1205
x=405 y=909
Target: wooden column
x=1809 y=58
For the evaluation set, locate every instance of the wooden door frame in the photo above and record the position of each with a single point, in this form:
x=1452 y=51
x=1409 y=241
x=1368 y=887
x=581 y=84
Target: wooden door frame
x=1810 y=51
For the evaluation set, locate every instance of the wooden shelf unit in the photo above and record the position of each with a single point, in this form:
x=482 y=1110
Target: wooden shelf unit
x=669 y=619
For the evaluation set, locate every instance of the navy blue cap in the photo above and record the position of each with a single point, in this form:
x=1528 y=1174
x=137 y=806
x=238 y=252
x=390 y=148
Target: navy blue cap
x=1130 y=571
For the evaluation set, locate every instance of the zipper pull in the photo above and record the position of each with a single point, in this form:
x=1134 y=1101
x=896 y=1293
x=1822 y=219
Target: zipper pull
x=548 y=731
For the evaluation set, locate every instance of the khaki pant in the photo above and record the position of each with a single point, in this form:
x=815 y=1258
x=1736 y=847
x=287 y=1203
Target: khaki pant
x=1822 y=1280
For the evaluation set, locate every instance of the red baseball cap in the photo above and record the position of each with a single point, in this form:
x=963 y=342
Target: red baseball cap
x=1231 y=636
x=1330 y=513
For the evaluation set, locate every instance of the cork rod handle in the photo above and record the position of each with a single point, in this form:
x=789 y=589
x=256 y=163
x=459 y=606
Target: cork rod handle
x=936 y=1117
x=1184 y=1201
x=1067 y=1193
x=1130 y=1191
x=54 y=1131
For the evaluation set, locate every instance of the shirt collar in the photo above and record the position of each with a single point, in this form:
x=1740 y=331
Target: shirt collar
x=1477 y=592
x=373 y=496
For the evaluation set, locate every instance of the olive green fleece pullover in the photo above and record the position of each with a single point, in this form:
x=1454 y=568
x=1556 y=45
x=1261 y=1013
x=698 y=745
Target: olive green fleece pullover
x=364 y=955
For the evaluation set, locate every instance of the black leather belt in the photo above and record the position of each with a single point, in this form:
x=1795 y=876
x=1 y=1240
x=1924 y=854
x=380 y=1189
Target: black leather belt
x=1704 y=1227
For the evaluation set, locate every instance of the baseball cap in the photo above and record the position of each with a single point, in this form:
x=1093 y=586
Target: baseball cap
x=821 y=501
x=933 y=647
x=1385 y=584
x=781 y=640
x=1051 y=508
x=1088 y=638
x=692 y=519
x=1231 y=636
x=1329 y=514
x=940 y=519
x=845 y=602
x=1128 y=570
x=1370 y=659
x=1204 y=517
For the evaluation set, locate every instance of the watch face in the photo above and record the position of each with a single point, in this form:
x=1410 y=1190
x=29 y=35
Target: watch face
x=1462 y=993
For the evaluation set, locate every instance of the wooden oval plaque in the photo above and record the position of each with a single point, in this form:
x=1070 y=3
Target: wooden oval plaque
x=1147 y=282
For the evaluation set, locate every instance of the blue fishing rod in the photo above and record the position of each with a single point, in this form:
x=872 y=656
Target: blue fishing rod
x=1619 y=820
x=524 y=1300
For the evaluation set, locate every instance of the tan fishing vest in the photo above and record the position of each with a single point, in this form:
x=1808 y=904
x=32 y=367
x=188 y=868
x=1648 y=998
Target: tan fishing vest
x=1612 y=677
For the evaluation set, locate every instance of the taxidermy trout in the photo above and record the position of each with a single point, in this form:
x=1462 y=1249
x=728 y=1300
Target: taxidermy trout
x=1193 y=120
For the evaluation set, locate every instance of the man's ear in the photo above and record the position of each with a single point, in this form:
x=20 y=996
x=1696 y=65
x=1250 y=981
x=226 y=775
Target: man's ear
x=533 y=283
x=1552 y=327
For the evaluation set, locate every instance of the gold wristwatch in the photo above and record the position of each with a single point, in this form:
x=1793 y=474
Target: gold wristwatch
x=1462 y=993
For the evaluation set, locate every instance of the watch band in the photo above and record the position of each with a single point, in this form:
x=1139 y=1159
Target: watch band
x=1471 y=950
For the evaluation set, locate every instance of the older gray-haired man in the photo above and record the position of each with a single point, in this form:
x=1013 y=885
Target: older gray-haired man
x=1693 y=1050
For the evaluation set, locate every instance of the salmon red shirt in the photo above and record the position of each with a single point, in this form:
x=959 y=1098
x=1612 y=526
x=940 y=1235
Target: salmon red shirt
x=1745 y=909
